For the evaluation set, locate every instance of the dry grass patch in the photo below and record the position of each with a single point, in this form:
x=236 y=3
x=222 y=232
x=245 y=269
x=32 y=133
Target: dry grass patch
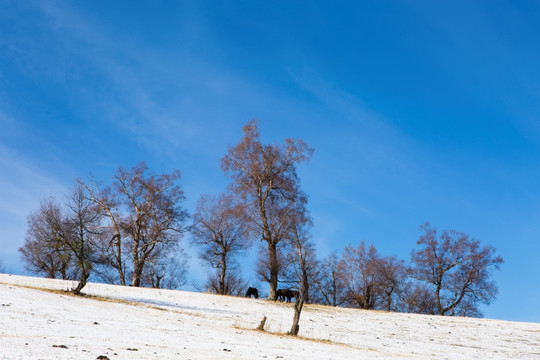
x=87 y=296
x=285 y=335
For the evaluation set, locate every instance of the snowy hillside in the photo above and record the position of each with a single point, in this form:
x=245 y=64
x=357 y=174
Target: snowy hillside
x=163 y=324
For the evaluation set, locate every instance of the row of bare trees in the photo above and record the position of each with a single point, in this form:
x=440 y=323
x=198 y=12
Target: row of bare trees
x=449 y=274
x=128 y=232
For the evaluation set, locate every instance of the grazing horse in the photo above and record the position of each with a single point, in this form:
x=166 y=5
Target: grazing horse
x=288 y=294
x=280 y=295
x=252 y=291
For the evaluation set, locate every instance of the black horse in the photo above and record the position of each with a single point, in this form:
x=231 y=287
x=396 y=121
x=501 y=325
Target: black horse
x=252 y=292
x=287 y=294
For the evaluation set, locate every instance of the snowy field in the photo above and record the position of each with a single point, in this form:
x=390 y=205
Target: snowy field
x=140 y=323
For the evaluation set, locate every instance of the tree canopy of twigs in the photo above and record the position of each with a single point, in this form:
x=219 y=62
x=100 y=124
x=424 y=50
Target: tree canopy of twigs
x=220 y=231
x=144 y=215
x=265 y=178
x=457 y=269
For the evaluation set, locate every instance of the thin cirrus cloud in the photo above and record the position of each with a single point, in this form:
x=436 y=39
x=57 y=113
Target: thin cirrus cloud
x=23 y=184
x=156 y=100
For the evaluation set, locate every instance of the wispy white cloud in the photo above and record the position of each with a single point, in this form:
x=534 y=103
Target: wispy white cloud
x=367 y=139
x=165 y=103
x=23 y=184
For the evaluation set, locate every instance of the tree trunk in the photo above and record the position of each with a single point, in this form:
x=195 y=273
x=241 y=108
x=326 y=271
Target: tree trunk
x=305 y=283
x=137 y=273
x=222 y=274
x=261 y=325
x=388 y=301
x=82 y=282
x=303 y=267
x=274 y=269
x=137 y=264
x=118 y=264
x=440 y=309
x=297 y=311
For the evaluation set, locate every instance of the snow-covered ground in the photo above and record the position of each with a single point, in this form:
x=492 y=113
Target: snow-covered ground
x=164 y=324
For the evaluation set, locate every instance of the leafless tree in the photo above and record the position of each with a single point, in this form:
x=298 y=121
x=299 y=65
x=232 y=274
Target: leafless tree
x=303 y=264
x=43 y=252
x=418 y=298
x=391 y=274
x=283 y=263
x=457 y=270
x=266 y=179
x=329 y=287
x=61 y=240
x=358 y=274
x=111 y=244
x=219 y=230
x=153 y=214
x=234 y=284
x=166 y=268
x=78 y=231
x=143 y=212
x=303 y=256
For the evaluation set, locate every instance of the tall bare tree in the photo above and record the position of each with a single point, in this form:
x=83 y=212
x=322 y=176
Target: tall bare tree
x=112 y=246
x=265 y=177
x=457 y=269
x=219 y=230
x=143 y=212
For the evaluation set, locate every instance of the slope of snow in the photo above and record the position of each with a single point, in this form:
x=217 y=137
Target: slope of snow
x=162 y=324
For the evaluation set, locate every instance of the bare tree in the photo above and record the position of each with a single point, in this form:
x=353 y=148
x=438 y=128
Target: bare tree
x=234 y=284
x=219 y=230
x=153 y=214
x=144 y=213
x=266 y=179
x=61 y=240
x=457 y=270
x=418 y=298
x=305 y=258
x=391 y=278
x=166 y=268
x=358 y=274
x=44 y=252
x=78 y=231
x=111 y=244
x=303 y=264
x=283 y=264
x=328 y=282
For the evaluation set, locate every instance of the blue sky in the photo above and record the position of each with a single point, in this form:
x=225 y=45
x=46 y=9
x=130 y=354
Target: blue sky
x=418 y=111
